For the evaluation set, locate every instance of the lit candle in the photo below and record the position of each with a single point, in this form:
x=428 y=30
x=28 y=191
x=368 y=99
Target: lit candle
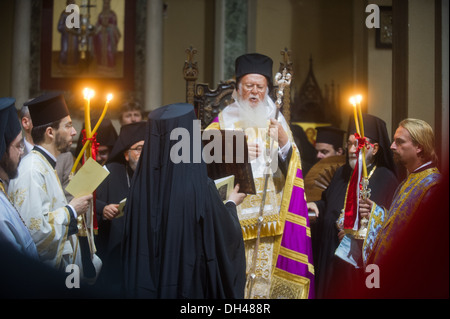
x=359 y=98
x=364 y=162
x=361 y=123
x=87 y=120
x=80 y=155
x=353 y=102
x=109 y=97
x=88 y=95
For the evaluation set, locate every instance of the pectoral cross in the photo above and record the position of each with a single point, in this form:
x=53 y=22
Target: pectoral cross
x=365 y=191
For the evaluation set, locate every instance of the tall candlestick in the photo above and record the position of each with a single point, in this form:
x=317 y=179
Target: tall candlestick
x=364 y=162
x=359 y=98
x=80 y=155
x=361 y=123
x=105 y=108
x=353 y=102
x=88 y=95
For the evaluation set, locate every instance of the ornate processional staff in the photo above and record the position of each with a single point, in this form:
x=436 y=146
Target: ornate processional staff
x=362 y=185
x=282 y=80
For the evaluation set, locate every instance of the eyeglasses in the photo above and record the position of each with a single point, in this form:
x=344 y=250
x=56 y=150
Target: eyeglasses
x=20 y=146
x=137 y=148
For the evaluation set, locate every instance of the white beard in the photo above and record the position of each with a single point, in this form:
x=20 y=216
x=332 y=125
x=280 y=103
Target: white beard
x=352 y=162
x=254 y=117
x=369 y=158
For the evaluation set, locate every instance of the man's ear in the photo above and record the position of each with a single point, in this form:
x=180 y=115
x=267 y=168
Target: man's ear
x=419 y=150
x=376 y=147
x=26 y=123
x=127 y=157
x=50 y=132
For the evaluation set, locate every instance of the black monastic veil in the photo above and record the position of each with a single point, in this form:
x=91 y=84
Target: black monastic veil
x=180 y=240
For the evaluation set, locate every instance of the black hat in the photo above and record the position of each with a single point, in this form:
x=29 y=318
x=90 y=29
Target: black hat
x=330 y=135
x=47 y=108
x=129 y=135
x=374 y=127
x=254 y=63
x=106 y=134
x=9 y=123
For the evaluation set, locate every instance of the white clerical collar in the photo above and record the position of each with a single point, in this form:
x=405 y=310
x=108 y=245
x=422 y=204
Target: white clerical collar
x=46 y=152
x=418 y=168
x=28 y=145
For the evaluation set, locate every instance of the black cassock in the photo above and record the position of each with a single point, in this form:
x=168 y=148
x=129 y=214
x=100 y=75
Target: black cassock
x=110 y=233
x=331 y=272
x=180 y=240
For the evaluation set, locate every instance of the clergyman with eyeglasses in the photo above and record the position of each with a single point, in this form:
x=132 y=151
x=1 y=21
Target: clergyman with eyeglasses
x=37 y=192
x=13 y=231
x=121 y=164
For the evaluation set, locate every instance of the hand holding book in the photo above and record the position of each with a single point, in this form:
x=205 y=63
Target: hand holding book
x=237 y=197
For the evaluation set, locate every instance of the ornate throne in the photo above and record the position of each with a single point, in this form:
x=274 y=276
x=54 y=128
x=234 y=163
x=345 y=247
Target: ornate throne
x=209 y=102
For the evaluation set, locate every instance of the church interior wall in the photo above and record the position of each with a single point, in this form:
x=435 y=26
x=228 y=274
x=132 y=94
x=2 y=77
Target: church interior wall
x=379 y=96
x=331 y=32
x=324 y=31
x=186 y=24
x=6 y=26
x=421 y=61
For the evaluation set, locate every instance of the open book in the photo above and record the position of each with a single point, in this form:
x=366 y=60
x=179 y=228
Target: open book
x=87 y=179
x=121 y=207
x=225 y=186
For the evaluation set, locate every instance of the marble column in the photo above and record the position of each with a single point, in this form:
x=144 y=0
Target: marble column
x=154 y=55
x=219 y=41
x=20 y=81
x=231 y=33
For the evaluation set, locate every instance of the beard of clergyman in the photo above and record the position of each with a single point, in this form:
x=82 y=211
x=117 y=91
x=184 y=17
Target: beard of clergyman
x=369 y=158
x=253 y=116
x=9 y=166
x=133 y=163
x=397 y=159
x=62 y=145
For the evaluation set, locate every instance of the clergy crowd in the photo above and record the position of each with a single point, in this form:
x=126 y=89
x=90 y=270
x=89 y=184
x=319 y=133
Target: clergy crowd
x=160 y=228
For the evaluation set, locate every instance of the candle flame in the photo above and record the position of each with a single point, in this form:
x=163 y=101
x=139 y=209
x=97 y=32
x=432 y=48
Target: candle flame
x=88 y=93
x=353 y=100
x=109 y=97
x=359 y=98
